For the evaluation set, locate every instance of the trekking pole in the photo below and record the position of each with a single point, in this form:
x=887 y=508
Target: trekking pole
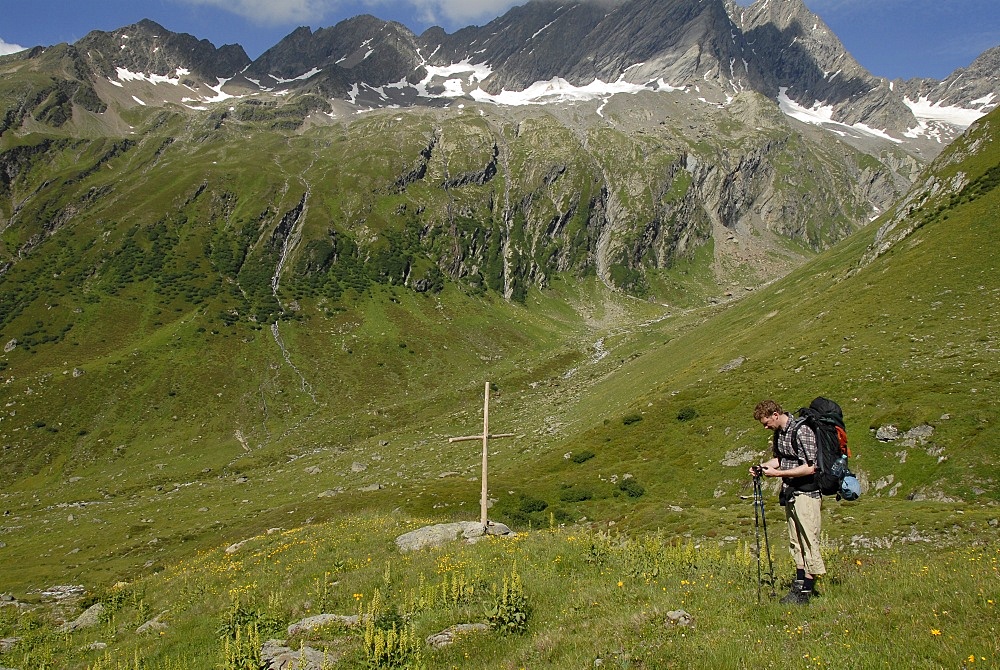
x=760 y=521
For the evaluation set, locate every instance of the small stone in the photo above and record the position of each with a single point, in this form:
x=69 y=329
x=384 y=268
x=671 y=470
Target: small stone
x=679 y=618
x=887 y=433
x=322 y=620
x=733 y=364
x=154 y=625
x=449 y=635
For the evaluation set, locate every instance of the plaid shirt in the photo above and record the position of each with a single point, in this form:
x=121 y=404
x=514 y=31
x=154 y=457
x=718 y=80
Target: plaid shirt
x=793 y=453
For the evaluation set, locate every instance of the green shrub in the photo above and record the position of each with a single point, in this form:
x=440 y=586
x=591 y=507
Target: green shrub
x=687 y=414
x=631 y=487
x=629 y=419
x=575 y=494
x=582 y=456
x=531 y=504
x=559 y=515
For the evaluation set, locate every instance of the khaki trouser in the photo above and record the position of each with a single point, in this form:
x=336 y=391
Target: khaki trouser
x=803 y=515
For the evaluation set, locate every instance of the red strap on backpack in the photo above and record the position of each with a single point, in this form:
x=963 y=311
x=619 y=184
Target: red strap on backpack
x=842 y=438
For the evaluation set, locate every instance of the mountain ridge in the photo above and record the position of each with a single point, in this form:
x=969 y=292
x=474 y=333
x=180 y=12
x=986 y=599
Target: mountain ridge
x=780 y=49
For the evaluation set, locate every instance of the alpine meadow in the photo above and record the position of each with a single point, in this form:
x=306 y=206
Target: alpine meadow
x=244 y=306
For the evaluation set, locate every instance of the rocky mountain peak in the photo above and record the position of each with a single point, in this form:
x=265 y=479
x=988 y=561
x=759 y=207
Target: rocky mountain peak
x=678 y=40
x=800 y=53
x=974 y=86
x=332 y=60
x=638 y=41
x=150 y=48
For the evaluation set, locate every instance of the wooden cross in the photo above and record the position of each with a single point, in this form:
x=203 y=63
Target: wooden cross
x=485 y=437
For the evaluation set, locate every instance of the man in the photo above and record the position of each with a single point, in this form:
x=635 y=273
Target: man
x=794 y=461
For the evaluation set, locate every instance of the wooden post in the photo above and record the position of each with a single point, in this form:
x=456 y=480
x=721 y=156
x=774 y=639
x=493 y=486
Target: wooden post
x=485 y=437
x=486 y=442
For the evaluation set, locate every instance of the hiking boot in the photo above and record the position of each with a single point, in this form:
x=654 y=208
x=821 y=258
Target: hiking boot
x=800 y=597
x=794 y=593
x=803 y=598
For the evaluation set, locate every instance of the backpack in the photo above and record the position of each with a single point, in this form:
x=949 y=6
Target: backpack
x=833 y=476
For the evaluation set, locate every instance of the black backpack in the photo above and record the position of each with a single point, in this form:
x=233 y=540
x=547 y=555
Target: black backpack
x=833 y=476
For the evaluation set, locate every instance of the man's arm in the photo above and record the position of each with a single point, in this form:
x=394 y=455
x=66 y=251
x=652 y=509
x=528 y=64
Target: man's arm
x=797 y=471
x=804 y=443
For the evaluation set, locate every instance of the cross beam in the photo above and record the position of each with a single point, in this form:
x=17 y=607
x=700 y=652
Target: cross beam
x=485 y=437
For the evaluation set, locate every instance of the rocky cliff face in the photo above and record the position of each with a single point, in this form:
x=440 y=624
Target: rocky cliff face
x=677 y=41
x=940 y=189
x=973 y=87
x=362 y=50
x=583 y=138
x=149 y=48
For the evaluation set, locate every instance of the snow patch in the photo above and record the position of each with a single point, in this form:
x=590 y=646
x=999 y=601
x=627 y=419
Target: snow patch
x=984 y=101
x=822 y=115
x=558 y=89
x=127 y=75
x=926 y=110
x=219 y=96
x=258 y=84
x=302 y=77
x=454 y=79
x=931 y=115
x=542 y=29
x=661 y=85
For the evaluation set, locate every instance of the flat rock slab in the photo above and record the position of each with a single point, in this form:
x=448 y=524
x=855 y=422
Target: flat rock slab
x=444 y=533
x=448 y=636
x=321 y=620
x=88 y=619
x=274 y=655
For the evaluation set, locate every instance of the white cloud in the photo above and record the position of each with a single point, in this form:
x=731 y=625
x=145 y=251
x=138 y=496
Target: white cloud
x=6 y=48
x=450 y=13
x=454 y=13
x=274 y=11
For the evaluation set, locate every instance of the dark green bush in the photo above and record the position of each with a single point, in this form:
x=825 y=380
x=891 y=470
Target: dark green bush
x=582 y=456
x=631 y=487
x=531 y=504
x=575 y=494
x=629 y=419
x=687 y=414
x=561 y=516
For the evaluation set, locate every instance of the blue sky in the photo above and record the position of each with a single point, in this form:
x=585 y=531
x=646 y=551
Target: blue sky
x=891 y=38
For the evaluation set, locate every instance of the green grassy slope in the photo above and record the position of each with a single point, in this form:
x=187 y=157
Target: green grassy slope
x=183 y=432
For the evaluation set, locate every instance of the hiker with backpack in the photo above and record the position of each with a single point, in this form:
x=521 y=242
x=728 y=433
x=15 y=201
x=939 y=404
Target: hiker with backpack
x=794 y=460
